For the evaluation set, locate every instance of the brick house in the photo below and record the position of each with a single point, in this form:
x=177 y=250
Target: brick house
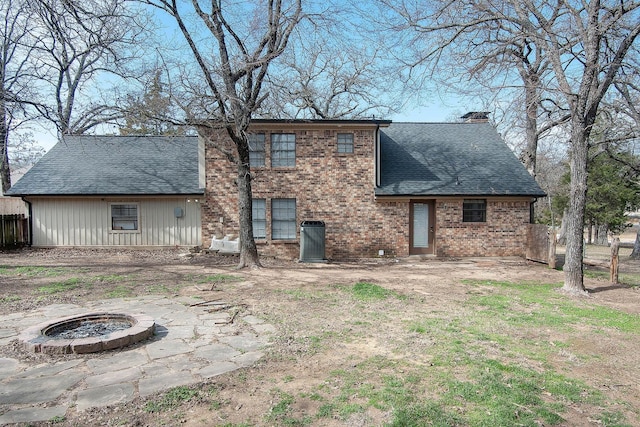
x=447 y=189
x=114 y=191
x=398 y=189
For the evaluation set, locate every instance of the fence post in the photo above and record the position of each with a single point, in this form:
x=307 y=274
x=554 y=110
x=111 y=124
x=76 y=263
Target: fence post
x=613 y=265
x=552 y=249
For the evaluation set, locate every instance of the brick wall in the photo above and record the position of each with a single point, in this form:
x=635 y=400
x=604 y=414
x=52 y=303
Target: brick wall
x=503 y=234
x=338 y=188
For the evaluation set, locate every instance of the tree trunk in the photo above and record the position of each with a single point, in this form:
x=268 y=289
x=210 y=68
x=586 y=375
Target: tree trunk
x=248 y=249
x=5 y=171
x=552 y=249
x=531 y=124
x=635 y=254
x=602 y=237
x=573 y=269
x=590 y=233
x=562 y=234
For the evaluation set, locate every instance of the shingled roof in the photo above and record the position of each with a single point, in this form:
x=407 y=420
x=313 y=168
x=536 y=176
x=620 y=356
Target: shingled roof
x=450 y=159
x=115 y=165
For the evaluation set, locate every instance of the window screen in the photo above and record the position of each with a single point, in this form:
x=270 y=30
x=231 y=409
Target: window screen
x=474 y=211
x=124 y=217
x=345 y=143
x=283 y=219
x=256 y=150
x=259 y=213
x=283 y=149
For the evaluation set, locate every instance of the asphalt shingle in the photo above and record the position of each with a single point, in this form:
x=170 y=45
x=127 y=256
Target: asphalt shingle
x=113 y=165
x=457 y=159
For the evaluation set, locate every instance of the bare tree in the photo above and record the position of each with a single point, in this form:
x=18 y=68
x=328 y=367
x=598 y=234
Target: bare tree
x=585 y=65
x=242 y=40
x=81 y=46
x=25 y=151
x=484 y=57
x=585 y=46
x=319 y=83
x=15 y=73
x=331 y=70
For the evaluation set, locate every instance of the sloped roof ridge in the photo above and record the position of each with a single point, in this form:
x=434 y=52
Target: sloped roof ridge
x=115 y=164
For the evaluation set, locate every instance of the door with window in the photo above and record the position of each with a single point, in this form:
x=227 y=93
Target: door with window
x=421 y=227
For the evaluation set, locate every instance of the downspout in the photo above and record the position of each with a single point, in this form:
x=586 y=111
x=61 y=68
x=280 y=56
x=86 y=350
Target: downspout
x=30 y=221
x=377 y=156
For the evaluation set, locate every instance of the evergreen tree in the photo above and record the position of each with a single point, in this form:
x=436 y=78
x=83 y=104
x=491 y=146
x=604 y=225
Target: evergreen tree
x=613 y=190
x=150 y=112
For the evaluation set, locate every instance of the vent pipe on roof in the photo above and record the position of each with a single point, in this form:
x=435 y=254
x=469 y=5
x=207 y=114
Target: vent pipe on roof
x=476 y=117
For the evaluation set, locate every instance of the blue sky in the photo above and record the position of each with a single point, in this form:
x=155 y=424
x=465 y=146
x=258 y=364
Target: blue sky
x=434 y=106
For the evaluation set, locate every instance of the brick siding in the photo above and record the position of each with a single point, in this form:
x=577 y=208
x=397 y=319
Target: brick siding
x=338 y=188
x=503 y=234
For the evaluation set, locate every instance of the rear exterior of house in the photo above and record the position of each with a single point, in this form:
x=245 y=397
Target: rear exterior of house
x=138 y=221
x=379 y=188
x=396 y=189
x=465 y=192
x=109 y=191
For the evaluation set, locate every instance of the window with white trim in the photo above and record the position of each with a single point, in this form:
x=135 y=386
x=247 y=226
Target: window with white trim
x=259 y=214
x=124 y=217
x=283 y=219
x=345 y=143
x=283 y=149
x=256 y=150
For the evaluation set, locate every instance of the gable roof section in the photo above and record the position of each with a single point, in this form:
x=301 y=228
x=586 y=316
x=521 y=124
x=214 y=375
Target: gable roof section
x=115 y=165
x=450 y=159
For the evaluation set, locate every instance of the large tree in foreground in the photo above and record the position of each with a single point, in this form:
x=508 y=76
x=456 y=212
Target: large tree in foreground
x=585 y=45
x=83 y=51
x=16 y=71
x=233 y=44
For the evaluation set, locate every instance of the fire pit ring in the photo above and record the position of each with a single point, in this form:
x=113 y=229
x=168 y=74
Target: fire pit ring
x=126 y=329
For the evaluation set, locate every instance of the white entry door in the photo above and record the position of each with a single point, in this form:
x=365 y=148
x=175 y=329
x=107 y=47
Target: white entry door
x=422 y=231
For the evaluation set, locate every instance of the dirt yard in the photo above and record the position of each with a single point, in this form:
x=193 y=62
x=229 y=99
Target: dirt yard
x=342 y=359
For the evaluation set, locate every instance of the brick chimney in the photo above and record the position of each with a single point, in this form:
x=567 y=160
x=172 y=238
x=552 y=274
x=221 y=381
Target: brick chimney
x=476 y=117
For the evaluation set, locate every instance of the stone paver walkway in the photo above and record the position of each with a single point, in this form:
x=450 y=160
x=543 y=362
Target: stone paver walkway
x=191 y=343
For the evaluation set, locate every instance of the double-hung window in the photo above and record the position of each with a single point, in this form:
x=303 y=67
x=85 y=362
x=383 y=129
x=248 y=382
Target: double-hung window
x=474 y=210
x=283 y=219
x=124 y=217
x=283 y=149
x=345 y=143
x=259 y=214
x=256 y=150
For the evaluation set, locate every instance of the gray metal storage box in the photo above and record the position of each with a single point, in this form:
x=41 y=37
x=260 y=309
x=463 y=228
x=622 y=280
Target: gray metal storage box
x=312 y=244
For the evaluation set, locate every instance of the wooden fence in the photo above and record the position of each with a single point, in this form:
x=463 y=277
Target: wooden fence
x=14 y=230
x=538 y=243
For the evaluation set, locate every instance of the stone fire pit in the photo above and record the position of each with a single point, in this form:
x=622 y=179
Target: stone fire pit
x=87 y=333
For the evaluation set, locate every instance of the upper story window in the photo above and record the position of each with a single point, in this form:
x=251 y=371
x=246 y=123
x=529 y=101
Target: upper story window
x=345 y=143
x=259 y=214
x=283 y=149
x=256 y=150
x=474 y=210
x=124 y=217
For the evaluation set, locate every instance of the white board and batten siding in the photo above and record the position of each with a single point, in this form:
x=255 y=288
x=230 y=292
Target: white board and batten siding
x=87 y=222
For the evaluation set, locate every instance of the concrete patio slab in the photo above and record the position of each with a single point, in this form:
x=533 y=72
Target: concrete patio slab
x=190 y=344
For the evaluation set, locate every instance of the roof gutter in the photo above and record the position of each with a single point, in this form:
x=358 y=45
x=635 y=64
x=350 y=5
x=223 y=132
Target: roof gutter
x=200 y=192
x=391 y=197
x=377 y=157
